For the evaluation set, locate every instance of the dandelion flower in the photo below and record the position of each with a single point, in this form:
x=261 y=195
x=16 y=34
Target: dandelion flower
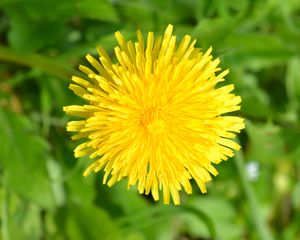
x=155 y=116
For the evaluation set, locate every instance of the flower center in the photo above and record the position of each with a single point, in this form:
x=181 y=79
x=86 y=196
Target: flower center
x=152 y=122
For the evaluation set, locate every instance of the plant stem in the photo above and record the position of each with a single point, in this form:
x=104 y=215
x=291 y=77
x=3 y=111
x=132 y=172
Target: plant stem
x=257 y=217
x=4 y=216
x=35 y=60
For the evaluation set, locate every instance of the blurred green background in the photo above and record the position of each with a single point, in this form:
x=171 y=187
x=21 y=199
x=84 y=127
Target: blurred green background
x=42 y=192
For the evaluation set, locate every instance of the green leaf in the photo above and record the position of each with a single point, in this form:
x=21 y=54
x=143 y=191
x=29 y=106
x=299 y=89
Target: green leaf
x=137 y=12
x=128 y=200
x=255 y=101
x=35 y=10
x=56 y=177
x=61 y=10
x=213 y=31
x=257 y=50
x=266 y=142
x=230 y=8
x=23 y=155
x=163 y=224
x=100 y=10
x=296 y=196
x=28 y=35
x=20 y=219
x=221 y=213
x=90 y=222
x=293 y=80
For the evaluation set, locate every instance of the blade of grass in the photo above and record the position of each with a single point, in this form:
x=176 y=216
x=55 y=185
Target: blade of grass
x=256 y=214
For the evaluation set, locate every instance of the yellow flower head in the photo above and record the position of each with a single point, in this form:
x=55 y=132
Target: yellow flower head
x=155 y=116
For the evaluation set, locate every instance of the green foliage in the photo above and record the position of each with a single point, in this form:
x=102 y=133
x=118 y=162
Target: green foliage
x=24 y=156
x=42 y=192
